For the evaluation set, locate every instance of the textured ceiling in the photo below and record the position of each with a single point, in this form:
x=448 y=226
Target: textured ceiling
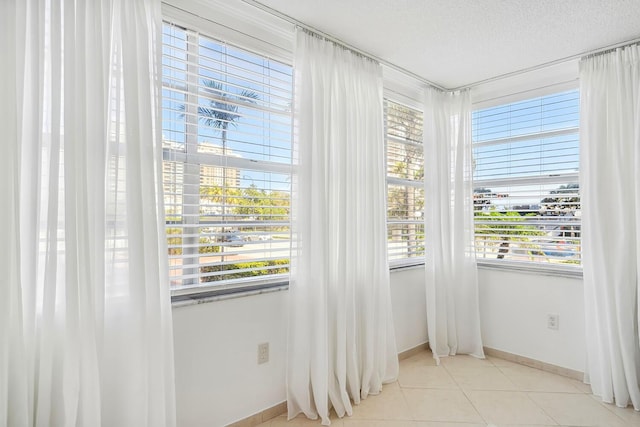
x=458 y=42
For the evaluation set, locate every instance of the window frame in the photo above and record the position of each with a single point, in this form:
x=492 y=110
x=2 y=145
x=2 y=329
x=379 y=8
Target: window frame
x=564 y=270
x=191 y=157
x=259 y=32
x=417 y=184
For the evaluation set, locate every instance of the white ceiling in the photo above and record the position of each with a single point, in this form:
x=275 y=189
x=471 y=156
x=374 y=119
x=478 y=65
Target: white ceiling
x=455 y=43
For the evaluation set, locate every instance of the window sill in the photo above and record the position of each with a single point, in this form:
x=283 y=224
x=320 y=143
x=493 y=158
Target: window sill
x=211 y=294
x=197 y=295
x=544 y=270
x=407 y=266
x=401 y=264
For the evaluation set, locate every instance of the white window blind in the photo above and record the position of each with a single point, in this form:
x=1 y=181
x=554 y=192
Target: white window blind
x=226 y=118
x=526 y=190
x=405 y=184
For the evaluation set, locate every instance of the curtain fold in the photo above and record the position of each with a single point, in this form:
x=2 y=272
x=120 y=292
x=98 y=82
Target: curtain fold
x=610 y=184
x=86 y=332
x=453 y=314
x=341 y=340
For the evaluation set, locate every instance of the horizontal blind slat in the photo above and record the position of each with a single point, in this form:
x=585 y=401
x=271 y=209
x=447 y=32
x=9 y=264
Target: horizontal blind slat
x=227 y=157
x=405 y=183
x=526 y=196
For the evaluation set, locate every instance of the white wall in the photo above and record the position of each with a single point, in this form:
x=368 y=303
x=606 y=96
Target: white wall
x=513 y=312
x=218 y=380
x=408 y=300
x=514 y=305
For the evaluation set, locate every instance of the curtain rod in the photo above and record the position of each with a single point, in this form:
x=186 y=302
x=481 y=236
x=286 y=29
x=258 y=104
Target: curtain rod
x=612 y=49
x=591 y=53
x=329 y=37
x=294 y=21
x=338 y=45
x=395 y=67
x=189 y=12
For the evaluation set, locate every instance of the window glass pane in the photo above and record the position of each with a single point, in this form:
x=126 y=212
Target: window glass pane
x=526 y=195
x=227 y=162
x=405 y=225
x=405 y=184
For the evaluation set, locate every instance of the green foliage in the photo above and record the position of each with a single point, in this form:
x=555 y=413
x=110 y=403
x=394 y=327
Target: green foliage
x=503 y=227
x=262 y=205
x=406 y=161
x=279 y=266
x=174 y=242
x=404 y=122
x=403 y=202
x=252 y=202
x=213 y=195
x=502 y=223
x=205 y=248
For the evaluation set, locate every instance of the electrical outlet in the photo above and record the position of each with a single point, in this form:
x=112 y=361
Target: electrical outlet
x=553 y=321
x=263 y=353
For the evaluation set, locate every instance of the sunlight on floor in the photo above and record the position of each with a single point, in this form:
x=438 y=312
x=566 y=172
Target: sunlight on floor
x=468 y=392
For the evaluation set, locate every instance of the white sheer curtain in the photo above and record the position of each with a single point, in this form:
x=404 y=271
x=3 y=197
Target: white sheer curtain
x=453 y=316
x=341 y=337
x=610 y=181
x=85 y=320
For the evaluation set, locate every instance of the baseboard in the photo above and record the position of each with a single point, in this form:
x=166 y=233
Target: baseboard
x=413 y=351
x=532 y=363
x=281 y=408
x=261 y=416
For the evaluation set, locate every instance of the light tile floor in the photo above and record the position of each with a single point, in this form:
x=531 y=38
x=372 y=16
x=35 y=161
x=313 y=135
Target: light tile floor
x=468 y=392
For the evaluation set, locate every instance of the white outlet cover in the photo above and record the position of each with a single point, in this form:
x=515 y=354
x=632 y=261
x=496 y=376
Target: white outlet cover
x=263 y=352
x=553 y=321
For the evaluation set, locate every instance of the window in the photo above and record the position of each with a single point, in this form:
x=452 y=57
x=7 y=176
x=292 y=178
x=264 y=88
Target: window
x=226 y=128
x=526 y=188
x=405 y=184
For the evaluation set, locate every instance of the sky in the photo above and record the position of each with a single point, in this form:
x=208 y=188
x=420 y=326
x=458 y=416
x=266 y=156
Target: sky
x=508 y=145
x=506 y=140
x=261 y=133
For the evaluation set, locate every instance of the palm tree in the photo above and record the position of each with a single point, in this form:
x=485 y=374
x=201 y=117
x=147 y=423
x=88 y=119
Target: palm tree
x=222 y=110
x=220 y=113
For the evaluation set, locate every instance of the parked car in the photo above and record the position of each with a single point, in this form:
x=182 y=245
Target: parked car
x=234 y=238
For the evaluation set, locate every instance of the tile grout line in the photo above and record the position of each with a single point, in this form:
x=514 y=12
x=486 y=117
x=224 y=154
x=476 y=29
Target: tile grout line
x=464 y=392
x=515 y=390
x=541 y=408
x=609 y=407
x=573 y=387
x=466 y=395
x=451 y=368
